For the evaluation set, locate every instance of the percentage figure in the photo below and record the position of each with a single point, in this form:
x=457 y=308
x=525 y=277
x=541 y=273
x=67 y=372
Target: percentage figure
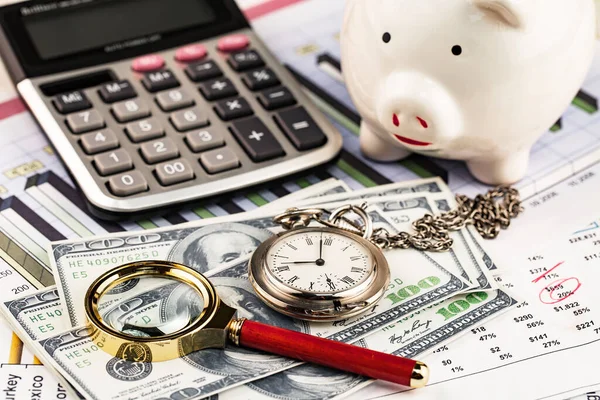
x=505 y=356
x=581 y=311
x=535 y=324
x=552 y=343
x=489 y=336
x=458 y=369
x=439 y=350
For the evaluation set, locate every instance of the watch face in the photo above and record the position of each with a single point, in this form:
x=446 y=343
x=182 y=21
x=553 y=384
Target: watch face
x=320 y=262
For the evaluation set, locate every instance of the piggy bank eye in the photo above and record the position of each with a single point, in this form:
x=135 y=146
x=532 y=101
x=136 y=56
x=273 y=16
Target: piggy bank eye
x=457 y=50
x=387 y=37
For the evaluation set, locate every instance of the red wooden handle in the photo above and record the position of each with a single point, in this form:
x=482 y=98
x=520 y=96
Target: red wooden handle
x=333 y=354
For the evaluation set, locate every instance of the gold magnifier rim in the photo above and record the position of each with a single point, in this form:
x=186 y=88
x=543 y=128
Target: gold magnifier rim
x=106 y=334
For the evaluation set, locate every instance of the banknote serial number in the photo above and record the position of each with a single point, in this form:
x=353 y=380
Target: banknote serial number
x=113 y=260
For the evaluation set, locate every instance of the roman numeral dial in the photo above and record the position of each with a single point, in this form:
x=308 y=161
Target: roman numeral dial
x=318 y=261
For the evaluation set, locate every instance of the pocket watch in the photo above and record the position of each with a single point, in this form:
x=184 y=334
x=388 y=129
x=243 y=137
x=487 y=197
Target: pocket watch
x=320 y=273
x=336 y=269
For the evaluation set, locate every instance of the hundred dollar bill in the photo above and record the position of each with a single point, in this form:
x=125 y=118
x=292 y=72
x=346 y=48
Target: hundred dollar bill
x=467 y=248
x=204 y=247
x=411 y=290
x=410 y=337
x=97 y=375
x=328 y=187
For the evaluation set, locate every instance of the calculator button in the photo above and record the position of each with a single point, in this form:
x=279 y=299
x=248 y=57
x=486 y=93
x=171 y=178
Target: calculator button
x=273 y=99
x=128 y=184
x=173 y=172
x=233 y=109
x=189 y=119
x=203 y=71
x=159 y=151
x=130 y=110
x=160 y=80
x=218 y=89
x=143 y=130
x=300 y=128
x=117 y=91
x=245 y=60
x=174 y=99
x=147 y=63
x=113 y=162
x=204 y=140
x=189 y=53
x=85 y=121
x=260 y=79
x=71 y=102
x=97 y=142
x=219 y=160
x=257 y=140
x=233 y=43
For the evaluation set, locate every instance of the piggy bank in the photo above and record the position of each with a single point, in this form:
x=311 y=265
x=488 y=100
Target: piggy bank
x=472 y=80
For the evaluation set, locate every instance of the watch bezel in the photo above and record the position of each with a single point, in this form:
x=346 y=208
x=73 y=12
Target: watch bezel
x=313 y=306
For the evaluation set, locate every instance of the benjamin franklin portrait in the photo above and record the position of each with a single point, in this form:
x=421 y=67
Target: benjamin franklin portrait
x=238 y=293
x=215 y=245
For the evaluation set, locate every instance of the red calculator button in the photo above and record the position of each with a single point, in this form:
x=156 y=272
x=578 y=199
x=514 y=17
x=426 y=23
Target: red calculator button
x=233 y=43
x=151 y=62
x=192 y=52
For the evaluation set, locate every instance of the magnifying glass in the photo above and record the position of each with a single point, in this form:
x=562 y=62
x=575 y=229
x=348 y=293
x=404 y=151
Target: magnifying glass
x=155 y=311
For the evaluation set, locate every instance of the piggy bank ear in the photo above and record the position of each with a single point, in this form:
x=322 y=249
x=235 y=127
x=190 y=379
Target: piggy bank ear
x=508 y=12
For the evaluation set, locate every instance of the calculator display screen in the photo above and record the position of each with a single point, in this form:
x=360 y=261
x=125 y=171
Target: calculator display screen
x=112 y=25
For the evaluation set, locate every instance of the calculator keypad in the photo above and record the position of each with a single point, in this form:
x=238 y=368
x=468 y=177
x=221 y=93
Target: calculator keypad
x=117 y=91
x=85 y=121
x=276 y=98
x=203 y=71
x=233 y=108
x=97 y=142
x=245 y=60
x=174 y=172
x=203 y=140
x=71 y=102
x=174 y=99
x=130 y=110
x=113 y=162
x=218 y=89
x=160 y=80
x=260 y=79
x=220 y=160
x=145 y=129
x=187 y=117
x=257 y=139
x=159 y=151
x=128 y=184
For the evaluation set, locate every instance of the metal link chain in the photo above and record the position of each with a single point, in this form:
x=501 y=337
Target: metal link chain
x=489 y=214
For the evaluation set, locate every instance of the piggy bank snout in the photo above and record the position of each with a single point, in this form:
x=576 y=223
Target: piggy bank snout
x=415 y=107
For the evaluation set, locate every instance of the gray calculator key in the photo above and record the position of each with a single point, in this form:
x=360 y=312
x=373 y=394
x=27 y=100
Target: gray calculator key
x=85 y=121
x=159 y=150
x=145 y=129
x=219 y=160
x=130 y=110
x=113 y=162
x=128 y=184
x=203 y=140
x=97 y=142
x=174 y=99
x=173 y=172
x=186 y=120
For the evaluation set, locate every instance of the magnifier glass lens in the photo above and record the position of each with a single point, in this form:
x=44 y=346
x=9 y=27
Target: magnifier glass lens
x=150 y=306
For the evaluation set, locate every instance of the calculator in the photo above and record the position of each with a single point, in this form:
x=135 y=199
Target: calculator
x=152 y=103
